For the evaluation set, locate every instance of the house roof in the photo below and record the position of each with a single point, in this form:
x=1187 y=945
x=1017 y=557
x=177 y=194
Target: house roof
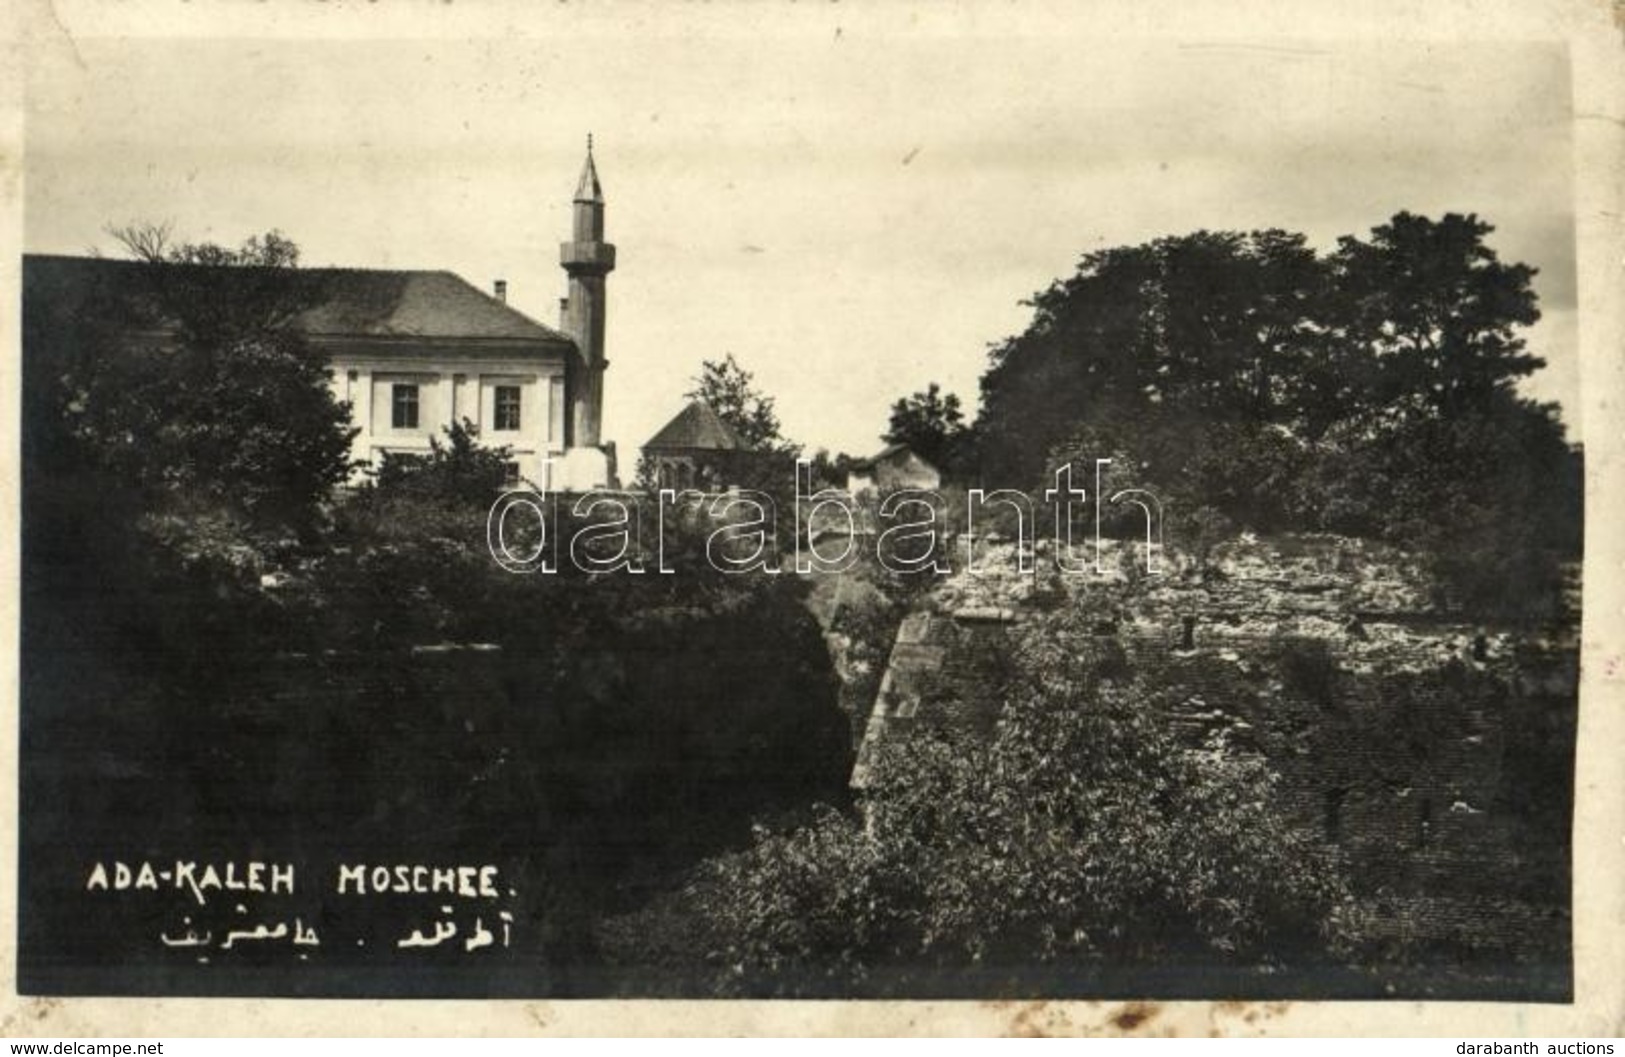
x=699 y=427
x=890 y=451
x=416 y=304
x=344 y=302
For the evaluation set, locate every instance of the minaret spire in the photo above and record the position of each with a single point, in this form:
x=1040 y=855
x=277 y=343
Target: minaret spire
x=588 y=189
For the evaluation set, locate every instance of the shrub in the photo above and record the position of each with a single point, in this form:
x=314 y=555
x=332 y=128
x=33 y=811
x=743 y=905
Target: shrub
x=1081 y=833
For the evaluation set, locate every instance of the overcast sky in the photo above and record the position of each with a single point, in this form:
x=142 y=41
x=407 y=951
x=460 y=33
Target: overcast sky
x=853 y=214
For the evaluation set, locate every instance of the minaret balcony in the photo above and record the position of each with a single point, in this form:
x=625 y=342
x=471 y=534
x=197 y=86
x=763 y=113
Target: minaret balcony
x=599 y=256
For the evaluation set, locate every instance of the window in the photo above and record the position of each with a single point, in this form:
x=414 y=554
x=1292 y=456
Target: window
x=403 y=408
x=510 y=474
x=555 y=412
x=507 y=407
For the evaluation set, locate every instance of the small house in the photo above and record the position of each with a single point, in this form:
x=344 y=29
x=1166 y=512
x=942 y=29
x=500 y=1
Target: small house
x=898 y=467
x=696 y=449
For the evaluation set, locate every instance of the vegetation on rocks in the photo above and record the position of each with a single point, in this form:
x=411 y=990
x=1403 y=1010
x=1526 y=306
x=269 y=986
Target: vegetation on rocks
x=1083 y=834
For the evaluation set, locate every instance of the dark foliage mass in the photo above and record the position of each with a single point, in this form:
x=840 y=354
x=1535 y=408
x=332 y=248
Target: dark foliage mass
x=932 y=423
x=226 y=655
x=456 y=471
x=1370 y=390
x=188 y=382
x=1083 y=837
x=219 y=641
x=732 y=392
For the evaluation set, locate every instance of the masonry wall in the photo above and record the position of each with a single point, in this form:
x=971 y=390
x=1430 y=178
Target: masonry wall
x=1436 y=757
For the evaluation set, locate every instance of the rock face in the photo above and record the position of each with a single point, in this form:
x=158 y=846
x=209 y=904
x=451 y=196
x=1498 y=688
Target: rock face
x=1436 y=755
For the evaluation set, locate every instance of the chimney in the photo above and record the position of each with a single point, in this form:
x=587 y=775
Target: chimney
x=501 y=290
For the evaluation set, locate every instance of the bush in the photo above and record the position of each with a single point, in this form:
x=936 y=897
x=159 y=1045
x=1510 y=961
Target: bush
x=458 y=472
x=1082 y=833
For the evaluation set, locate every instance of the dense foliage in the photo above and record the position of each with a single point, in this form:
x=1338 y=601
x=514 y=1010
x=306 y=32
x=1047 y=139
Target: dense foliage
x=1371 y=391
x=456 y=470
x=231 y=648
x=351 y=669
x=932 y=424
x=193 y=381
x=1083 y=833
x=732 y=392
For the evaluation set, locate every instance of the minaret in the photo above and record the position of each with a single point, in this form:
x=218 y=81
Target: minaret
x=587 y=258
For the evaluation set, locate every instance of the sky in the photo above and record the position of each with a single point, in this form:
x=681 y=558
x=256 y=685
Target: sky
x=852 y=210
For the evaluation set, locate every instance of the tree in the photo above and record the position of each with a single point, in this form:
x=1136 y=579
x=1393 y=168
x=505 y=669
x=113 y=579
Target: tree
x=180 y=441
x=228 y=403
x=830 y=471
x=1369 y=390
x=1438 y=311
x=932 y=424
x=1166 y=338
x=731 y=392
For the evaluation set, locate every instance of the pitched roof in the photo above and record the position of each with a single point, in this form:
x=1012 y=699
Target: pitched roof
x=588 y=189
x=697 y=426
x=417 y=304
x=889 y=451
x=367 y=302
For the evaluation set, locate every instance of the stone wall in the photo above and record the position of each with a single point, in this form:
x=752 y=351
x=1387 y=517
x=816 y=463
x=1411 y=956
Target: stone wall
x=1435 y=755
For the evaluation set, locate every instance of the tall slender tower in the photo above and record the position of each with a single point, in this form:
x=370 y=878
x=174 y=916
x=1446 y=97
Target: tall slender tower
x=587 y=258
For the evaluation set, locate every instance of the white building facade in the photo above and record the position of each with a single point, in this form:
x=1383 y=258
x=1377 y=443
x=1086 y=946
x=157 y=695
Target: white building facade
x=415 y=352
